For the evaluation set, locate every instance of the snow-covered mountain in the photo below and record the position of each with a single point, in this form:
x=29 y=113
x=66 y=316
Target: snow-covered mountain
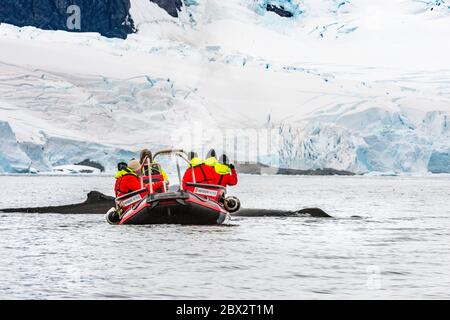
x=352 y=85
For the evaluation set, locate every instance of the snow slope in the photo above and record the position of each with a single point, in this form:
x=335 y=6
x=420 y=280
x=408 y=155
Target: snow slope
x=352 y=85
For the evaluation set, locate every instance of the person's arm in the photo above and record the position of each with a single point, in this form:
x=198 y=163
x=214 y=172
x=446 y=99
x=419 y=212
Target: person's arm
x=116 y=186
x=232 y=178
x=187 y=177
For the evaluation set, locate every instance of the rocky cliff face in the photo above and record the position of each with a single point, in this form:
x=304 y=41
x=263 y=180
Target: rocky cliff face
x=110 y=18
x=171 y=6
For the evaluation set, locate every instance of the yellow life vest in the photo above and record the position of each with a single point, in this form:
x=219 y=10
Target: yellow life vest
x=162 y=172
x=222 y=169
x=124 y=172
x=211 y=161
x=195 y=162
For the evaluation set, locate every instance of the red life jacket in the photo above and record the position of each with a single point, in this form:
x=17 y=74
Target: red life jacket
x=129 y=183
x=157 y=182
x=226 y=179
x=126 y=184
x=202 y=173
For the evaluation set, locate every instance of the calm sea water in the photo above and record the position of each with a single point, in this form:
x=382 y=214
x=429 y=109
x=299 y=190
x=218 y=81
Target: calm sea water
x=396 y=247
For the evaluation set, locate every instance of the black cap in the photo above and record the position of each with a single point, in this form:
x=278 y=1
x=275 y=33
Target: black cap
x=192 y=155
x=122 y=166
x=211 y=153
x=224 y=159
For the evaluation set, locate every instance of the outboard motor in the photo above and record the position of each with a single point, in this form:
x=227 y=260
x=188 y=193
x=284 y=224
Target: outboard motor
x=112 y=217
x=232 y=204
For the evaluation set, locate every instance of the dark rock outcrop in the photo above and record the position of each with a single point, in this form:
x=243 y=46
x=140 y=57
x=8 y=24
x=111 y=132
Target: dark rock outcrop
x=110 y=18
x=90 y=163
x=171 y=6
x=281 y=11
x=260 y=168
x=316 y=172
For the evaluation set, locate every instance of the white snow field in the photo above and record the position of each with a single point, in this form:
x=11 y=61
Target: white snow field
x=352 y=85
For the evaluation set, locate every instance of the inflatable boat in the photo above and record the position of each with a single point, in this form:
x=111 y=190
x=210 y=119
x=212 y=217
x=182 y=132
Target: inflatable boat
x=204 y=205
x=181 y=207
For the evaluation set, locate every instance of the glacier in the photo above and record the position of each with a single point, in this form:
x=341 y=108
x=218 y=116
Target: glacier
x=345 y=85
x=12 y=158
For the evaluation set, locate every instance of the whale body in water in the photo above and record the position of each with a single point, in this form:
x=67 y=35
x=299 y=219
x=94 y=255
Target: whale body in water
x=99 y=203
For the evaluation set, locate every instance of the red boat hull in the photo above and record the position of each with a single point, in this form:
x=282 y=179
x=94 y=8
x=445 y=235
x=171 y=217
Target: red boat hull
x=182 y=207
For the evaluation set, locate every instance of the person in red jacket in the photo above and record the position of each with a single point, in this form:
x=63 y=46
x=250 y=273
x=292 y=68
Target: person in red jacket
x=202 y=172
x=157 y=173
x=225 y=172
x=128 y=179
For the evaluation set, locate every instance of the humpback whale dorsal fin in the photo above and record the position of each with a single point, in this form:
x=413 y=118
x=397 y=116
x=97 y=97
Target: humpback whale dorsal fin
x=96 y=196
x=314 y=212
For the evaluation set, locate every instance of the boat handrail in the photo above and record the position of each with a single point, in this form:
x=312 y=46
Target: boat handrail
x=178 y=153
x=205 y=185
x=146 y=161
x=149 y=162
x=130 y=194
